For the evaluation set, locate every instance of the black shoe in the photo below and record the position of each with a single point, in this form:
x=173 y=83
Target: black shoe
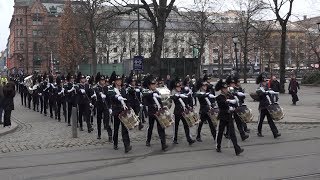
x=276 y=135
x=226 y=136
x=127 y=149
x=244 y=137
x=191 y=142
x=199 y=139
x=51 y=116
x=81 y=129
x=247 y=130
x=175 y=142
x=148 y=144
x=164 y=147
x=110 y=139
x=115 y=147
x=69 y=124
x=260 y=135
x=99 y=138
x=239 y=152
x=218 y=149
x=140 y=127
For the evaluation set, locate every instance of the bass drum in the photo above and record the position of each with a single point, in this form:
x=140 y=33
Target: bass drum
x=191 y=117
x=244 y=113
x=129 y=119
x=276 y=111
x=165 y=96
x=213 y=114
x=254 y=96
x=164 y=117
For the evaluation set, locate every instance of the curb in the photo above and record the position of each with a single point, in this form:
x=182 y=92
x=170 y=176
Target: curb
x=14 y=127
x=311 y=85
x=286 y=122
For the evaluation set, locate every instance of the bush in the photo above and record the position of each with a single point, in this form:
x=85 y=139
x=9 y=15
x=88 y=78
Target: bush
x=311 y=78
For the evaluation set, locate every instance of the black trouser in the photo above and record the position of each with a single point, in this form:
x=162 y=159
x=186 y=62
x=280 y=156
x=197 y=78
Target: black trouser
x=239 y=124
x=21 y=94
x=69 y=111
x=263 y=113
x=25 y=99
x=222 y=125
x=29 y=100
x=124 y=132
x=294 y=98
x=45 y=104
x=101 y=113
x=64 y=109
x=205 y=117
x=58 y=109
x=41 y=104
x=179 y=117
x=7 y=118
x=84 y=112
x=35 y=100
x=161 y=131
x=52 y=106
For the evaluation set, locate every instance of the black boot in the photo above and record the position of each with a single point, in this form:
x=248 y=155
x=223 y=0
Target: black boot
x=239 y=151
x=148 y=144
x=276 y=135
x=244 y=137
x=127 y=148
x=260 y=135
x=191 y=141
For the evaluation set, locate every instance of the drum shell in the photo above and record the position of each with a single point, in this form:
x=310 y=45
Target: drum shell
x=192 y=118
x=276 y=112
x=244 y=113
x=164 y=117
x=129 y=119
x=213 y=114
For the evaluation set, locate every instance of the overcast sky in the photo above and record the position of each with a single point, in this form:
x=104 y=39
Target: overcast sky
x=300 y=8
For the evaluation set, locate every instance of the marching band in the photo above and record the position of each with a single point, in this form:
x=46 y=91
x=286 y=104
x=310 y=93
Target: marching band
x=128 y=102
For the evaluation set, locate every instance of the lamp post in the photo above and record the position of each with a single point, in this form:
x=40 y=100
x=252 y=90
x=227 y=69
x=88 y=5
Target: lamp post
x=318 y=24
x=235 y=42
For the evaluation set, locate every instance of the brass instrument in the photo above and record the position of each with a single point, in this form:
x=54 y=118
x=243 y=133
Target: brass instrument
x=165 y=96
x=164 y=117
x=191 y=117
x=29 y=83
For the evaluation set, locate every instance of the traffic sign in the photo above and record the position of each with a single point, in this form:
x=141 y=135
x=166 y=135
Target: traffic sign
x=138 y=63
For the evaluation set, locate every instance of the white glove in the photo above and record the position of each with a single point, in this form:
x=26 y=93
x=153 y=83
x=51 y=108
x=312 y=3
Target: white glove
x=103 y=96
x=272 y=92
x=183 y=96
x=186 y=88
x=212 y=96
x=110 y=111
x=40 y=94
x=177 y=95
x=94 y=95
x=156 y=95
x=72 y=89
x=262 y=89
x=240 y=94
x=91 y=105
x=232 y=101
x=83 y=91
x=125 y=107
x=137 y=90
x=120 y=98
x=231 y=108
x=141 y=105
x=48 y=85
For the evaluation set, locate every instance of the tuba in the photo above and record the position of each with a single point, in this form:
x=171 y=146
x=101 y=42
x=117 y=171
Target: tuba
x=165 y=96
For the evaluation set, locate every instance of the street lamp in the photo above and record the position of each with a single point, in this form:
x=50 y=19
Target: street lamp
x=235 y=40
x=318 y=24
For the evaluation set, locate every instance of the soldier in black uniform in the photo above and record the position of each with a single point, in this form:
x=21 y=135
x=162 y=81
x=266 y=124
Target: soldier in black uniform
x=153 y=102
x=265 y=97
x=239 y=96
x=205 y=104
x=40 y=93
x=117 y=96
x=103 y=105
x=35 y=94
x=134 y=96
x=46 y=86
x=59 y=94
x=225 y=116
x=21 y=89
x=182 y=103
x=84 y=102
x=71 y=97
x=51 y=95
x=64 y=99
x=240 y=92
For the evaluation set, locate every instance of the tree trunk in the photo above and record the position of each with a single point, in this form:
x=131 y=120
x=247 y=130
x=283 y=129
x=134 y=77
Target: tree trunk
x=245 y=58
x=282 y=58
x=157 y=49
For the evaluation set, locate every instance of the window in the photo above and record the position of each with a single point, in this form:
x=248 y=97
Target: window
x=174 y=50
x=20 y=32
x=215 y=50
x=53 y=10
x=190 y=39
x=166 y=50
x=166 y=40
x=124 y=49
x=133 y=39
x=36 y=33
x=142 y=50
x=133 y=50
x=150 y=50
x=21 y=45
x=182 y=49
x=190 y=50
x=36 y=19
x=115 y=50
x=36 y=46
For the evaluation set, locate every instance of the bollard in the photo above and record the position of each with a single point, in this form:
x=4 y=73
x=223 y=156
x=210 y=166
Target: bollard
x=74 y=122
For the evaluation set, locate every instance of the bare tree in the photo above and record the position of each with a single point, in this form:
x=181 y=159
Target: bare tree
x=278 y=6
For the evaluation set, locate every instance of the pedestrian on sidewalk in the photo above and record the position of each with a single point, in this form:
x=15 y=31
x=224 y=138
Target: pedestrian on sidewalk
x=1 y=100
x=293 y=89
x=275 y=86
x=8 y=105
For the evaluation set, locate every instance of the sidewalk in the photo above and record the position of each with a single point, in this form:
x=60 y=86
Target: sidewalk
x=7 y=130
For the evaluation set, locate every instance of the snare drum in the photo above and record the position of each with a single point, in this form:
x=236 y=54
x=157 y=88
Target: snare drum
x=213 y=114
x=164 y=117
x=129 y=119
x=244 y=113
x=276 y=111
x=191 y=117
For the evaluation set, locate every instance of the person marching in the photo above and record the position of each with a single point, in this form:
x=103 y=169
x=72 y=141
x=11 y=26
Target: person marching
x=225 y=116
x=238 y=96
x=40 y=93
x=241 y=97
x=71 y=96
x=205 y=104
x=84 y=102
x=134 y=96
x=51 y=91
x=64 y=98
x=102 y=105
x=35 y=95
x=153 y=102
x=117 y=96
x=265 y=98
x=45 y=90
x=181 y=102
x=59 y=94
